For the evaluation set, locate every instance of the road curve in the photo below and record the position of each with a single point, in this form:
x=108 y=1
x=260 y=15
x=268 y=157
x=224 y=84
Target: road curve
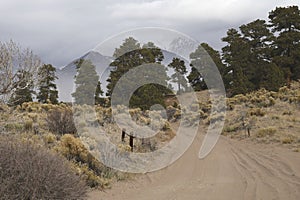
x=233 y=170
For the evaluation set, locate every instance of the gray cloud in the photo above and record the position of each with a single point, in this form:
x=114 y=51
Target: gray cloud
x=61 y=30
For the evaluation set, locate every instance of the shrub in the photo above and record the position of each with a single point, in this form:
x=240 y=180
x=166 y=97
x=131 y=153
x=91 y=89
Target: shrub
x=287 y=112
x=240 y=98
x=60 y=121
x=205 y=107
x=73 y=149
x=263 y=101
x=47 y=106
x=30 y=107
x=175 y=104
x=91 y=179
x=295 y=99
x=272 y=101
x=177 y=114
x=28 y=125
x=215 y=117
x=230 y=106
x=166 y=126
x=275 y=117
x=287 y=139
x=270 y=131
x=256 y=112
x=104 y=115
x=49 y=138
x=31 y=172
x=284 y=90
x=33 y=116
x=231 y=128
x=257 y=100
x=13 y=127
x=3 y=107
x=170 y=112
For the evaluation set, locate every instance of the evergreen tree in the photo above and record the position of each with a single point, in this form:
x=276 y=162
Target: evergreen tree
x=196 y=80
x=146 y=96
x=46 y=85
x=261 y=72
x=151 y=54
x=285 y=22
x=216 y=58
x=23 y=90
x=236 y=56
x=178 y=76
x=202 y=61
x=86 y=82
x=151 y=94
x=99 y=92
x=272 y=77
x=248 y=56
x=128 y=56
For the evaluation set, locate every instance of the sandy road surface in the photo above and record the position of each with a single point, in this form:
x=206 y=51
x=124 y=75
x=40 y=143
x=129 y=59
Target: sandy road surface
x=233 y=170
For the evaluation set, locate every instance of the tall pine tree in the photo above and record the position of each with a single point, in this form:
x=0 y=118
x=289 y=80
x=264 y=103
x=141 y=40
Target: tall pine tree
x=99 y=100
x=261 y=71
x=236 y=56
x=201 y=64
x=87 y=82
x=128 y=56
x=285 y=22
x=46 y=85
x=23 y=90
x=178 y=76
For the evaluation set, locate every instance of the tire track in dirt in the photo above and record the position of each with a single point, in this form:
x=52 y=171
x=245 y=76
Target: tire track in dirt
x=234 y=170
x=251 y=166
x=250 y=191
x=269 y=171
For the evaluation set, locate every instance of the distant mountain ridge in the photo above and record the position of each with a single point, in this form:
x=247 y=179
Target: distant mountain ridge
x=182 y=46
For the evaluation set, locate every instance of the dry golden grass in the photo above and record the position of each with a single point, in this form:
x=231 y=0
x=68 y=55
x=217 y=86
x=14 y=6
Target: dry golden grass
x=271 y=117
x=30 y=123
x=274 y=116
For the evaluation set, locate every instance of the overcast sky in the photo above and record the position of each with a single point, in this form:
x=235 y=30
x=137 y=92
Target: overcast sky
x=61 y=30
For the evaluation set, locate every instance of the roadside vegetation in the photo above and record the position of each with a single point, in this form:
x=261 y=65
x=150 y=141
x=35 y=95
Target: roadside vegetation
x=47 y=153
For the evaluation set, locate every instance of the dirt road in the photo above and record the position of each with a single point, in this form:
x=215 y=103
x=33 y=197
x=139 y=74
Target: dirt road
x=233 y=170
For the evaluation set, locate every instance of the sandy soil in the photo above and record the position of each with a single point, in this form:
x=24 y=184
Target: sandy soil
x=233 y=170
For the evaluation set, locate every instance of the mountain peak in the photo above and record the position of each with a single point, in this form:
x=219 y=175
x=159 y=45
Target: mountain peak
x=182 y=46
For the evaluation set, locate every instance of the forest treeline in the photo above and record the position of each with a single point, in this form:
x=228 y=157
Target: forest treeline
x=260 y=54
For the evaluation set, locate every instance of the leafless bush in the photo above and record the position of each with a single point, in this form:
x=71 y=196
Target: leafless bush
x=13 y=59
x=60 y=121
x=30 y=172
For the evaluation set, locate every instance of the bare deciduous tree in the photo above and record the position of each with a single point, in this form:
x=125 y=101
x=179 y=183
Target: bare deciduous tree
x=14 y=59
